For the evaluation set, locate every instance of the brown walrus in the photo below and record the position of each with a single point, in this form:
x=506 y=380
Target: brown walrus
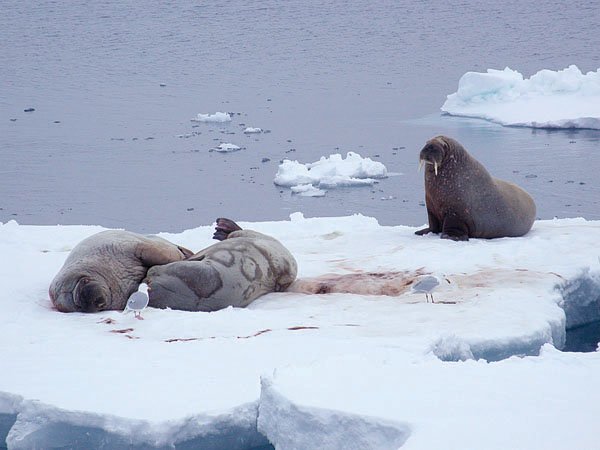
x=234 y=272
x=103 y=270
x=463 y=200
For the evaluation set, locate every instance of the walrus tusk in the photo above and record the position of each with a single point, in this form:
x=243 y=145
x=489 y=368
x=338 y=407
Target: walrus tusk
x=420 y=165
x=435 y=167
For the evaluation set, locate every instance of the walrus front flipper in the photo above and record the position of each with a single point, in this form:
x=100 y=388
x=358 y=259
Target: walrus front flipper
x=224 y=228
x=454 y=228
x=423 y=231
x=434 y=225
x=185 y=252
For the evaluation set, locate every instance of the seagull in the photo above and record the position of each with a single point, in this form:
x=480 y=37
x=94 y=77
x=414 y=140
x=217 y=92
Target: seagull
x=426 y=284
x=138 y=301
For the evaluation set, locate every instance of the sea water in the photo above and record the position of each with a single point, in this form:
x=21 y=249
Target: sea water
x=115 y=84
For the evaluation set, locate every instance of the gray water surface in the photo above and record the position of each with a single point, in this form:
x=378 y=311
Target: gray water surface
x=103 y=146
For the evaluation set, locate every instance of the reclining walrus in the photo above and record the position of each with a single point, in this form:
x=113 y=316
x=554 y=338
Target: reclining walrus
x=103 y=270
x=234 y=272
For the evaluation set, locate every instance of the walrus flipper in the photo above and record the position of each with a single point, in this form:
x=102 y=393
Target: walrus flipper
x=434 y=225
x=224 y=228
x=454 y=228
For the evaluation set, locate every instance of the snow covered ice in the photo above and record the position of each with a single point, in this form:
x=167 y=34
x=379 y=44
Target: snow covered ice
x=218 y=117
x=548 y=99
x=314 y=371
x=252 y=130
x=227 y=147
x=329 y=172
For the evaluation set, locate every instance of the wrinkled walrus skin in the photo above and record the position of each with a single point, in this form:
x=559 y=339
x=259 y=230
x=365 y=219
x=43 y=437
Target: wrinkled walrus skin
x=103 y=270
x=234 y=272
x=464 y=201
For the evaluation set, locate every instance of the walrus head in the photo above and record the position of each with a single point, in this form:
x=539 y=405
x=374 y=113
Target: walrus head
x=80 y=293
x=433 y=153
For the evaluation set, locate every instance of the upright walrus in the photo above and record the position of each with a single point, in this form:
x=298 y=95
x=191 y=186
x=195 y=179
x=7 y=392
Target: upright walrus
x=463 y=200
x=234 y=272
x=103 y=270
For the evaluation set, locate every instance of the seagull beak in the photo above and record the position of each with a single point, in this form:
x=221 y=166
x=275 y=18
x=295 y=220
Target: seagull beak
x=421 y=162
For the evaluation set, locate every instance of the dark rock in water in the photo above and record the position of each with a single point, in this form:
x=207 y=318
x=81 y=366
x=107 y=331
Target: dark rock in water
x=13 y=120
x=190 y=209
x=530 y=175
x=149 y=138
x=162 y=85
x=264 y=160
x=29 y=110
x=57 y=121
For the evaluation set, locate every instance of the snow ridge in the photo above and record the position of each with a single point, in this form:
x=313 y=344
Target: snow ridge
x=290 y=426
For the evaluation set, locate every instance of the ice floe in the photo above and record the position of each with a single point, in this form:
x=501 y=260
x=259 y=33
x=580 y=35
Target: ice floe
x=227 y=147
x=337 y=368
x=330 y=172
x=548 y=99
x=252 y=130
x=218 y=117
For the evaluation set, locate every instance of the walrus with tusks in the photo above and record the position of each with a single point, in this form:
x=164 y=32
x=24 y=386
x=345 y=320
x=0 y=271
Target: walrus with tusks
x=234 y=272
x=103 y=270
x=463 y=200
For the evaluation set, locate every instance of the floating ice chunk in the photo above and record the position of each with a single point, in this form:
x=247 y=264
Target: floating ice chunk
x=549 y=99
x=218 y=117
x=227 y=148
x=308 y=190
x=330 y=172
x=251 y=130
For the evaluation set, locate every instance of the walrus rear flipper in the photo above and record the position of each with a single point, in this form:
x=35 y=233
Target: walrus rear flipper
x=224 y=228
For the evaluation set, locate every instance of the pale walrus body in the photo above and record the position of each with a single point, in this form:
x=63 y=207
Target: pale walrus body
x=234 y=272
x=463 y=200
x=103 y=270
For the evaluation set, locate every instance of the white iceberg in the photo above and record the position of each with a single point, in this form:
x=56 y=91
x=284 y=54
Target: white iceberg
x=307 y=190
x=336 y=369
x=549 y=99
x=331 y=172
x=218 y=117
x=227 y=147
x=252 y=130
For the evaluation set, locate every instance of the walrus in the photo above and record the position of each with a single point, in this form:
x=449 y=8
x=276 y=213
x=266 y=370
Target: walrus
x=103 y=270
x=463 y=200
x=244 y=265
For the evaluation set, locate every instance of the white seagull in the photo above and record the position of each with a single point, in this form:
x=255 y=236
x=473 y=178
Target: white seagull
x=138 y=301
x=426 y=284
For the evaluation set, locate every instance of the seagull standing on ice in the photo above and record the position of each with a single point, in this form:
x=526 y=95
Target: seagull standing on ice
x=426 y=284
x=138 y=301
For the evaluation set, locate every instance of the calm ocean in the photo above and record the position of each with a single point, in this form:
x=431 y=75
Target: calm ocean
x=115 y=84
